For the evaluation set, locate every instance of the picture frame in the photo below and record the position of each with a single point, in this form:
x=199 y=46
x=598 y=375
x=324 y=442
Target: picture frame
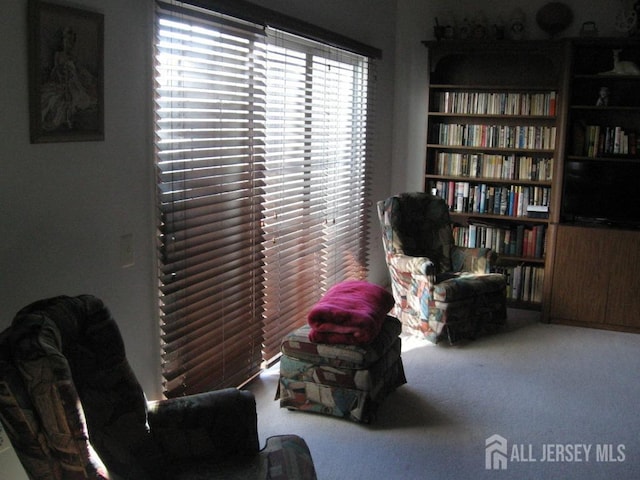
x=66 y=73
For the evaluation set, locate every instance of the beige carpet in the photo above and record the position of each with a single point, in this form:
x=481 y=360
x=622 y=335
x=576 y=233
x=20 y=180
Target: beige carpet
x=564 y=401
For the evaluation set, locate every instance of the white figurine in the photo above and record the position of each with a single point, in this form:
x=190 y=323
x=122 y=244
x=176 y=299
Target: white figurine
x=603 y=98
x=624 y=67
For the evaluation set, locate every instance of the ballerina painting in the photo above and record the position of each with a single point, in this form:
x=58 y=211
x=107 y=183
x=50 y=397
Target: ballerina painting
x=70 y=89
x=66 y=74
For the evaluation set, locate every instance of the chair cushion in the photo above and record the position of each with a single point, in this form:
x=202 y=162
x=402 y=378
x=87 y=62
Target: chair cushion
x=467 y=286
x=72 y=360
x=20 y=420
x=41 y=405
x=423 y=224
x=284 y=457
x=214 y=425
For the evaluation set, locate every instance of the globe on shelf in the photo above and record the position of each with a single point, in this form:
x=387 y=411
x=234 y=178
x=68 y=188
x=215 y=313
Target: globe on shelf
x=554 y=17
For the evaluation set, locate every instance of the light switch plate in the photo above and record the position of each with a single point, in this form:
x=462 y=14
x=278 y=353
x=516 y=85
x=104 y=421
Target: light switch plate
x=127 y=257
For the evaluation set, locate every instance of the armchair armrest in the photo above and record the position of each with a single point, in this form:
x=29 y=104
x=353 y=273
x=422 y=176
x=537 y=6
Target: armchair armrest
x=473 y=260
x=412 y=265
x=213 y=425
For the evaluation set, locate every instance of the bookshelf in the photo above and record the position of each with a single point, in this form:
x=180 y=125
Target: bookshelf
x=495 y=124
x=597 y=248
x=603 y=138
x=604 y=105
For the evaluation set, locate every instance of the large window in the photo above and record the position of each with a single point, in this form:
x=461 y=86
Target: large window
x=262 y=144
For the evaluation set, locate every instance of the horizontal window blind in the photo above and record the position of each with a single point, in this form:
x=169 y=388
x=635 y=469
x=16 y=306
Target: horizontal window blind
x=261 y=148
x=315 y=224
x=210 y=144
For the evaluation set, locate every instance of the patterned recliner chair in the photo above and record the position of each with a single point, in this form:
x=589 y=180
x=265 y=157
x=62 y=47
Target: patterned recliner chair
x=73 y=409
x=441 y=290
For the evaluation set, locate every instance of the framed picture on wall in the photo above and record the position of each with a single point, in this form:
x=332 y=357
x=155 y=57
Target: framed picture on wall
x=66 y=97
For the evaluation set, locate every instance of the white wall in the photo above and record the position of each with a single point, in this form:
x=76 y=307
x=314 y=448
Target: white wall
x=64 y=207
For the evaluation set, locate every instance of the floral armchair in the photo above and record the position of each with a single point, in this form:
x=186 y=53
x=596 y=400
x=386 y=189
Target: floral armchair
x=73 y=409
x=441 y=290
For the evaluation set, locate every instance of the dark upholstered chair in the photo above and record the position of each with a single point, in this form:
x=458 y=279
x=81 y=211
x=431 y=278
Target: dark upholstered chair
x=441 y=290
x=73 y=409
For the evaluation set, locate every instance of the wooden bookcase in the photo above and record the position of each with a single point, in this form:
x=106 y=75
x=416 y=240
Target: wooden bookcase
x=496 y=122
x=588 y=271
x=594 y=279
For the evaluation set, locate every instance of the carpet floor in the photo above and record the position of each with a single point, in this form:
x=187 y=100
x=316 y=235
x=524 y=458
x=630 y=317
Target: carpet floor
x=562 y=400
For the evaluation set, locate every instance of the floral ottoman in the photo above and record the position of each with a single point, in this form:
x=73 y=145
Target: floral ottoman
x=348 y=381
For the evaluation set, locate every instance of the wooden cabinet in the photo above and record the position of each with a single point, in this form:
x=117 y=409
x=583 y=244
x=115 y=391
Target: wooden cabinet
x=595 y=279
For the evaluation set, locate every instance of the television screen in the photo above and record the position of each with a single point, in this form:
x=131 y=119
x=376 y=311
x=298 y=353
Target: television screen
x=602 y=192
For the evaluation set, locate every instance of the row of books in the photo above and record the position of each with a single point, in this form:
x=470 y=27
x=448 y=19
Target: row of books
x=517 y=241
x=510 y=200
x=483 y=165
x=601 y=140
x=524 y=282
x=496 y=103
x=496 y=136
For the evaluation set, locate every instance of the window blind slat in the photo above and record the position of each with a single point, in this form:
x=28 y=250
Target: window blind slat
x=261 y=149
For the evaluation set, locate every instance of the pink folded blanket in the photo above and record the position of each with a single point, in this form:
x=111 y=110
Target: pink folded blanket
x=351 y=312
